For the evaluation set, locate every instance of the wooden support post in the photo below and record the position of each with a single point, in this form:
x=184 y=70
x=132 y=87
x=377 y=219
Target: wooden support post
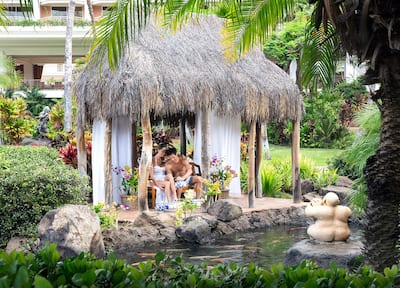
x=206 y=143
x=134 y=146
x=182 y=134
x=108 y=163
x=145 y=163
x=259 y=149
x=296 y=181
x=250 y=183
x=81 y=147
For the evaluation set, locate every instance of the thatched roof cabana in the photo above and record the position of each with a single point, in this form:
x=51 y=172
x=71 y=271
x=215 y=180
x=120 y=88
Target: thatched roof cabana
x=166 y=74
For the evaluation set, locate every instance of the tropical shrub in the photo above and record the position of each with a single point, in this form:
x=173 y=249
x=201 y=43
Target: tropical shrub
x=271 y=183
x=276 y=176
x=47 y=269
x=353 y=160
x=326 y=118
x=108 y=214
x=33 y=180
x=244 y=175
x=14 y=121
x=36 y=101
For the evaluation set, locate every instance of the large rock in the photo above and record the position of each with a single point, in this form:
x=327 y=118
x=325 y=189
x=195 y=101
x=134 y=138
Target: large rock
x=74 y=229
x=307 y=186
x=225 y=210
x=196 y=229
x=341 y=191
x=345 y=254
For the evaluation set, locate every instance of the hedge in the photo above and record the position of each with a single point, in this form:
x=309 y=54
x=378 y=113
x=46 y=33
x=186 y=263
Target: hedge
x=34 y=181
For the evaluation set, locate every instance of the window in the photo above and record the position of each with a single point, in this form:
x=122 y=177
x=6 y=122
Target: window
x=63 y=11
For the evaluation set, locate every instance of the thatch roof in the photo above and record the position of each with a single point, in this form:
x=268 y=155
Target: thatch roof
x=176 y=73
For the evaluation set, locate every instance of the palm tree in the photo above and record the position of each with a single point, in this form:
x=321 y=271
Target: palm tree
x=368 y=29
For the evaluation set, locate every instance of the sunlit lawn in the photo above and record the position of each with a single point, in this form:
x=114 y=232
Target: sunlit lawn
x=319 y=156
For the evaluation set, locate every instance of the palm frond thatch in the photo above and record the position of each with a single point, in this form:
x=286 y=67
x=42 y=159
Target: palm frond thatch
x=174 y=74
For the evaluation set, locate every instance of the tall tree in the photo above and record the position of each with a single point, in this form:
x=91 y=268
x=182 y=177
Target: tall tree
x=68 y=68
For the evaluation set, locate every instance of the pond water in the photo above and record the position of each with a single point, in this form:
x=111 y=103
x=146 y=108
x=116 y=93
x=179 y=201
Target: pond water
x=264 y=247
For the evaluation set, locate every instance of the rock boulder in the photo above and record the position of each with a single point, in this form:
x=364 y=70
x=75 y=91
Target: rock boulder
x=225 y=210
x=344 y=253
x=74 y=229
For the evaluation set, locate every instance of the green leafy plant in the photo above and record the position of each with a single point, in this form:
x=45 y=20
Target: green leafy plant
x=184 y=206
x=33 y=181
x=108 y=214
x=129 y=179
x=14 y=124
x=324 y=177
x=271 y=182
x=47 y=269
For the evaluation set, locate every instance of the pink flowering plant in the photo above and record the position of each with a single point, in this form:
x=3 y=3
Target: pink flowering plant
x=130 y=179
x=223 y=174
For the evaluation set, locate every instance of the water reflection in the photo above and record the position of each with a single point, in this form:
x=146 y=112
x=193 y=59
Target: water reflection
x=265 y=247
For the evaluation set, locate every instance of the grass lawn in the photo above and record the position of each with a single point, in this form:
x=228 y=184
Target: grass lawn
x=318 y=155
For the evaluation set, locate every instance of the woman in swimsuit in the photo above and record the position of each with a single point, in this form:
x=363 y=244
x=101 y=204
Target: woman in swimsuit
x=160 y=178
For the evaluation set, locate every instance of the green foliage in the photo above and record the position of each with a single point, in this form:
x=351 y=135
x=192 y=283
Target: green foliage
x=353 y=160
x=324 y=178
x=47 y=269
x=244 y=175
x=14 y=122
x=36 y=101
x=271 y=183
x=33 y=181
x=276 y=176
x=108 y=214
x=283 y=46
x=320 y=126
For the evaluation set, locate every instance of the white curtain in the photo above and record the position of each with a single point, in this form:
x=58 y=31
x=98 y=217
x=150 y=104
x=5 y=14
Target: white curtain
x=225 y=144
x=98 y=145
x=121 y=151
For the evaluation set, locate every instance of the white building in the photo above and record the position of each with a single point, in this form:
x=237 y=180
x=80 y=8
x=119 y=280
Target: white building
x=39 y=48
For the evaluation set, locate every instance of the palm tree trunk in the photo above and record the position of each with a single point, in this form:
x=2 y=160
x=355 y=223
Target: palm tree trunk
x=383 y=175
x=68 y=68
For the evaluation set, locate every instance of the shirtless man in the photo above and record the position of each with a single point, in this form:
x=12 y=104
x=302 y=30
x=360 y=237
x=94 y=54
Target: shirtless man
x=181 y=170
x=331 y=219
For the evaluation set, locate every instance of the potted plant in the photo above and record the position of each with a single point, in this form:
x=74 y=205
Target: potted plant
x=129 y=185
x=221 y=174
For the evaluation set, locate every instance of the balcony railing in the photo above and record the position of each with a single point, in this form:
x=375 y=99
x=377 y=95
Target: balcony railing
x=32 y=83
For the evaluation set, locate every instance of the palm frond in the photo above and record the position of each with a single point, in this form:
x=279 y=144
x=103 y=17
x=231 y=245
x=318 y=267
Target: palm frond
x=320 y=54
x=365 y=145
x=115 y=30
x=250 y=22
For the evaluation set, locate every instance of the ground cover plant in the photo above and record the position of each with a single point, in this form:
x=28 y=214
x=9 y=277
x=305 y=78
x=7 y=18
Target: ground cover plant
x=33 y=180
x=46 y=269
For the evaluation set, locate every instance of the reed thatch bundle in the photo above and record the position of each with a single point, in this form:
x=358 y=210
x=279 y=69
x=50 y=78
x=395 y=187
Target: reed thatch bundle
x=177 y=73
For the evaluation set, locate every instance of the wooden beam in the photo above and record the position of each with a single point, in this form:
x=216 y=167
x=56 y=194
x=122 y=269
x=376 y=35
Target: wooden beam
x=145 y=163
x=108 y=163
x=259 y=151
x=182 y=134
x=296 y=181
x=251 y=152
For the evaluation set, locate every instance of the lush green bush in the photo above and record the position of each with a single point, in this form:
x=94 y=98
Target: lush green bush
x=14 y=121
x=46 y=269
x=276 y=176
x=353 y=160
x=33 y=181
